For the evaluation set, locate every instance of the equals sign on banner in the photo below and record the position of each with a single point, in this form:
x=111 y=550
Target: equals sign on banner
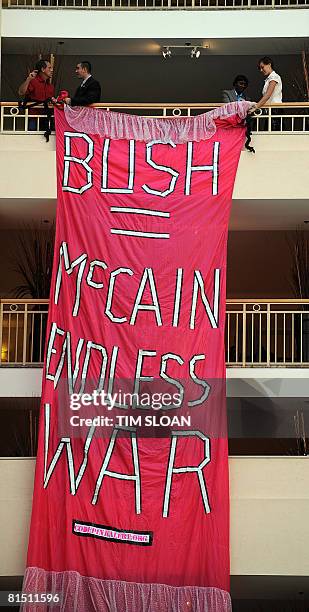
x=139 y=211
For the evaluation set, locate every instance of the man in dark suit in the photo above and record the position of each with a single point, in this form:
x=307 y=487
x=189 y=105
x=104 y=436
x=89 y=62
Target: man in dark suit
x=89 y=90
x=237 y=94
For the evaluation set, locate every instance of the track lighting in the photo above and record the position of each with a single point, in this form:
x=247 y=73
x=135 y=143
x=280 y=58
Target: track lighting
x=166 y=52
x=195 y=53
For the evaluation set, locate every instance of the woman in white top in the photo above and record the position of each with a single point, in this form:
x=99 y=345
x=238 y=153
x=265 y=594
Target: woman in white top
x=272 y=90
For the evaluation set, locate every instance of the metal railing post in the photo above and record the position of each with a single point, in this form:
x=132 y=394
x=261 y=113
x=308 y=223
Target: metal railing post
x=25 y=334
x=268 y=335
x=26 y=120
x=244 y=334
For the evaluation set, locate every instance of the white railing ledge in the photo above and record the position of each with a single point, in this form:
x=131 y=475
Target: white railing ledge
x=196 y=5
x=285 y=118
x=258 y=333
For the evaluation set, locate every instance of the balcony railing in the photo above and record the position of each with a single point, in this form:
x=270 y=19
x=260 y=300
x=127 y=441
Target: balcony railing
x=259 y=333
x=267 y=333
x=22 y=331
x=157 y=4
x=285 y=118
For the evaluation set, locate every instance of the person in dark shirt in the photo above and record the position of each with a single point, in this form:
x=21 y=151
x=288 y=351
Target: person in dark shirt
x=37 y=86
x=89 y=90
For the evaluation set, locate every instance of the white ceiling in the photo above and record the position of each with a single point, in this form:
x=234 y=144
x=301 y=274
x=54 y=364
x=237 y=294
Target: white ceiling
x=237 y=46
x=246 y=214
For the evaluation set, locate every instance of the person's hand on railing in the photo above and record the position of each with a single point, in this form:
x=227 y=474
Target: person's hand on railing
x=252 y=108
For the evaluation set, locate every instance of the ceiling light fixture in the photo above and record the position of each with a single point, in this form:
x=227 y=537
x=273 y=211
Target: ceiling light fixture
x=166 y=52
x=194 y=51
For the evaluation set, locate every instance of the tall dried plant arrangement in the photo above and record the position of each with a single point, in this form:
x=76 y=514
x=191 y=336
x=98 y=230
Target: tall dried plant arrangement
x=32 y=258
x=305 y=71
x=300 y=79
x=298 y=243
x=299 y=425
x=26 y=435
x=299 y=281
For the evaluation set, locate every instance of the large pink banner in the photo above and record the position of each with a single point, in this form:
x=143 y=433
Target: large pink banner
x=131 y=499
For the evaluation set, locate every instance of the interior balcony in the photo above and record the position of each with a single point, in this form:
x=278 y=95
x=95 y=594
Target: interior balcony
x=267 y=338
x=271 y=188
x=129 y=62
x=267 y=354
x=259 y=333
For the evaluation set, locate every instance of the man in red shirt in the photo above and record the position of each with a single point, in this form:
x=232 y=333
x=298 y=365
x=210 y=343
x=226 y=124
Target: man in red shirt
x=37 y=88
